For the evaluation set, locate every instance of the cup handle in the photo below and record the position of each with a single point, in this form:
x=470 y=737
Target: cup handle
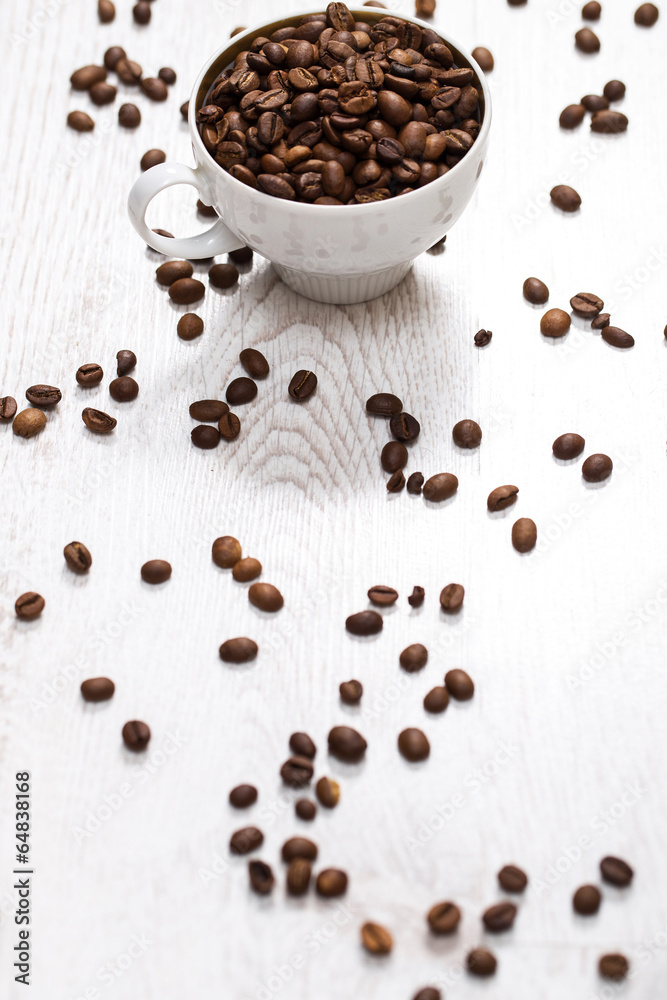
x=216 y=240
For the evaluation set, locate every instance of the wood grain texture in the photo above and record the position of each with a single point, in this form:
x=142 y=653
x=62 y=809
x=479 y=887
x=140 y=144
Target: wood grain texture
x=559 y=758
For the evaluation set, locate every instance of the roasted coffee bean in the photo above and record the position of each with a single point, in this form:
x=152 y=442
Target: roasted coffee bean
x=205 y=437
x=481 y=962
x=89 y=374
x=440 y=487
x=565 y=198
x=97 y=689
x=586 y=900
x=502 y=497
x=614 y=90
x=646 y=15
x=600 y=321
x=246 y=840
x=586 y=304
x=467 y=434
x=43 y=395
x=8 y=408
x=500 y=917
x=77 y=557
x=243 y=256
x=123 y=389
x=568 y=446
x=593 y=102
x=261 y=877
x=423 y=9
x=328 y=792
x=524 y=535
x=404 y=427
x=483 y=338
x=396 y=483
x=383 y=404
x=416 y=598
x=444 y=918
x=299 y=847
x=609 y=122
x=616 y=871
x=151 y=158
x=106 y=11
x=265 y=597
x=376 y=939
x=186 y=291
x=113 y=55
x=484 y=58
x=351 y=692
x=87 y=76
x=597 y=468
x=126 y=362
x=394 y=456
x=414 y=657
x=382 y=596
x=413 y=745
x=246 y=569
x=331 y=882
x=254 y=363
x=415 y=483
x=555 y=323
x=302 y=745
x=190 y=326
x=185 y=111
x=226 y=550
x=141 y=12
x=572 y=115
x=616 y=337
x=303 y=385
x=223 y=276
x=305 y=810
x=29 y=605
x=29 y=422
x=167 y=74
x=587 y=41
x=209 y=411
x=451 y=597
x=239 y=650
x=512 y=879
x=436 y=700
x=241 y=390
x=459 y=684
x=97 y=421
x=155 y=571
x=364 y=623
x=136 y=735
x=243 y=796
x=614 y=966
x=173 y=270
x=297 y=771
x=298 y=876
x=535 y=291
x=346 y=744
x=229 y=426
x=591 y=11
x=103 y=93
x=128 y=71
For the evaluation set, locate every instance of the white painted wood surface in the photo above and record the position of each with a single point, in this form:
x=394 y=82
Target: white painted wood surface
x=522 y=773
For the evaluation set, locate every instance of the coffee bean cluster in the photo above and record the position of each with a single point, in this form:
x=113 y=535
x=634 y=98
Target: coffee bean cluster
x=334 y=111
x=556 y=323
x=604 y=119
x=227 y=553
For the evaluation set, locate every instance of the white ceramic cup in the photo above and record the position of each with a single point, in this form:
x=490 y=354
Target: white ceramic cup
x=326 y=252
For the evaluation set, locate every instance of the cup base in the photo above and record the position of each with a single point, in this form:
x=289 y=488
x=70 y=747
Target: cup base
x=343 y=289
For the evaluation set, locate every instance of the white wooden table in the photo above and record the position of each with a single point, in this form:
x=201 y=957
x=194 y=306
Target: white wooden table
x=559 y=759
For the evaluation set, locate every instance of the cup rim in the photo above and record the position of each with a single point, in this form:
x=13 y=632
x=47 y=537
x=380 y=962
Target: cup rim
x=377 y=207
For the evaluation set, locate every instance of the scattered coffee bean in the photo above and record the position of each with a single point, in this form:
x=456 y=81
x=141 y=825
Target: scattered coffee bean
x=152 y=158
x=404 y=427
x=572 y=115
x=303 y=385
x=436 y=700
x=586 y=900
x=351 y=692
x=346 y=744
x=502 y=497
x=586 y=304
x=243 y=796
x=383 y=404
x=382 y=596
x=597 y=468
x=113 y=55
x=614 y=966
x=565 y=198
x=593 y=102
x=609 y=122
x=396 y=482
x=376 y=939
x=500 y=917
x=87 y=76
x=167 y=74
x=451 y=597
x=205 y=437
x=126 y=362
x=428 y=993
x=364 y=623
x=512 y=879
x=305 y=810
x=484 y=58
x=535 y=291
x=415 y=483
x=254 y=363
x=172 y=270
x=587 y=41
x=8 y=408
x=614 y=90
x=223 y=276
x=467 y=434
x=237 y=31
x=190 y=326
x=591 y=11
x=103 y=93
x=394 y=456
x=616 y=871
x=43 y=395
x=600 y=321
x=297 y=772
x=226 y=550
x=129 y=71
x=156 y=571
x=141 y=12
x=185 y=291
x=97 y=421
x=524 y=535
x=124 y=389
x=240 y=391
x=97 y=689
x=616 y=337
x=29 y=605
x=414 y=658
x=106 y=11
x=243 y=256
x=246 y=840
x=185 y=109
x=136 y=735
x=261 y=877
x=299 y=847
x=208 y=411
x=416 y=598
x=239 y=650
x=646 y=15
x=555 y=323
x=440 y=487
x=328 y=792
x=459 y=684
x=245 y=570
x=413 y=745
x=302 y=745
x=331 y=882
x=229 y=426
x=568 y=446
x=28 y=423
x=423 y=8
x=444 y=918
x=298 y=876
x=77 y=557
x=482 y=338
x=481 y=962
x=89 y=374
x=265 y=597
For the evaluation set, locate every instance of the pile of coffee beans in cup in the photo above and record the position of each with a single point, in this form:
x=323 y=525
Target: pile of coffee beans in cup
x=334 y=111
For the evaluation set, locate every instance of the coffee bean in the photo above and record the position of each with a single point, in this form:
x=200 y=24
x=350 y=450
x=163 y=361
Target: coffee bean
x=167 y=74
x=302 y=745
x=614 y=90
x=206 y=210
x=616 y=337
x=440 y=487
x=89 y=374
x=593 y=102
x=229 y=426
x=141 y=12
x=152 y=158
x=483 y=338
x=404 y=427
x=591 y=11
x=136 y=735
x=173 y=270
x=568 y=446
x=77 y=557
x=502 y=497
x=484 y=58
x=609 y=122
x=481 y=962
x=303 y=385
x=43 y=395
x=305 y=809
x=587 y=41
x=186 y=290
x=298 y=876
x=586 y=900
x=415 y=483
x=29 y=605
x=467 y=434
x=28 y=423
x=106 y=11
x=299 y=847
x=297 y=771
x=616 y=871
x=444 y=918
x=394 y=456
x=364 y=623
x=97 y=421
x=265 y=597
x=555 y=323
x=254 y=363
x=331 y=882
x=205 y=437
x=459 y=684
x=512 y=879
x=383 y=404
x=346 y=744
x=156 y=571
x=123 y=389
x=376 y=939
x=500 y=917
x=565 y=198
x=586 y=304
x=597 y=468
x=351 y=692
x=614 y=966
x=416 y=598
x=244 y=256
x=600 y=321
x=535 y=291
x=572 y=115
x=113 y=55
x=261 y=877
x=8 y=408
x=126 y=362
x=129 y=71
x=436 y=700
x=208 y=411
x=413 y=745
x=97 y=689
x=84 y=78
x=246 y=569
x=414 y=657
x=423 y=9
x=328 y=792
x=246 y=840
x=226 y=550
x=396 y=483
x=451 y=597
x=103 y=93
x=190 y=326
x=382 y=596
x=184 y=109
x=223 y=276
x=240 y=391
x=239 y=650
x=524 y=535
x=646 y=15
